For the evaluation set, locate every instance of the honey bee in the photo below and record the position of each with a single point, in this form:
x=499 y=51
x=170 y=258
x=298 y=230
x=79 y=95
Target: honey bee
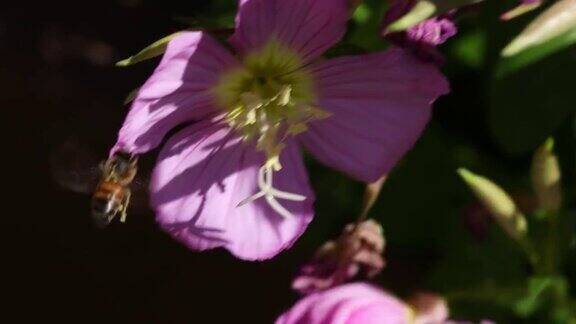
x=112 y=194
x=113 y=185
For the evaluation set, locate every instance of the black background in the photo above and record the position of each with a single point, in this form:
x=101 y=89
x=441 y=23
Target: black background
x=60 y=267
x=58 y=82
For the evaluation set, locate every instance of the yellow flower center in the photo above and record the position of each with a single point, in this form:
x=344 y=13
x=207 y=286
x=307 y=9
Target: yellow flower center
x=269 y=98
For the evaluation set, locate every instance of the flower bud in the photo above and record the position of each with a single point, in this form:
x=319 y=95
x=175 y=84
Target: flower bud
x=356 y=253
x=421 y=11
x=546 y=176
x=558 y=19
x=497 y=202
x=525 y=6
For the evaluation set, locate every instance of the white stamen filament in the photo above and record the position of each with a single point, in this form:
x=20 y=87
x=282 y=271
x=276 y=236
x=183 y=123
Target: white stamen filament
x=270 y=193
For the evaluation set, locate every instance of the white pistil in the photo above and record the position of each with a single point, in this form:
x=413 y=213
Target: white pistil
x=271 y=194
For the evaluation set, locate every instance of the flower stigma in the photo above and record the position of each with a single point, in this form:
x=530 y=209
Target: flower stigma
x=270 y=193
x=267 y=99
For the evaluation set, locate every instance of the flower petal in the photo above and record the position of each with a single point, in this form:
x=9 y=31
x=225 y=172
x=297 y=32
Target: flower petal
x=355 y=303
x=204 y=171
x=178 y=91
x=309 y=27
x=380 y=104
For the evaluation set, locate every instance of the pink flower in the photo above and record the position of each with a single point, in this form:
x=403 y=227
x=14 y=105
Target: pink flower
x=423 y=37
x=355 y=303
x=357 y=252
x=363 y=303
x=233 y=177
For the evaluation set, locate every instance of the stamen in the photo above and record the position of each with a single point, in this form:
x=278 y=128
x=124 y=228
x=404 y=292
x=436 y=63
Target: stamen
x=284 y=96
x=267 y=100
x=270 y=193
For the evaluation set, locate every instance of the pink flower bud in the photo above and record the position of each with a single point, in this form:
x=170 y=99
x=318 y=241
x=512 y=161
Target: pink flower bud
x=356 y=253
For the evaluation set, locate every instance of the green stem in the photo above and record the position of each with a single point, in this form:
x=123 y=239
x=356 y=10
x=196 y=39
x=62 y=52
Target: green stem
x=550 y=263
x=531 y=253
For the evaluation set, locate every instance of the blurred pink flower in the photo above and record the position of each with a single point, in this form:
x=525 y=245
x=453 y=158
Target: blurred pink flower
x=363 y=303
x=357 y=252
x=423 y=37
x=355 y=303
x=234 y=176
x=429 y=308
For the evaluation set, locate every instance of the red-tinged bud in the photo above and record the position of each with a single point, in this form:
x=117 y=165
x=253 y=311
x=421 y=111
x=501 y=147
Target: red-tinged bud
x=498 y=203
x=356 y=253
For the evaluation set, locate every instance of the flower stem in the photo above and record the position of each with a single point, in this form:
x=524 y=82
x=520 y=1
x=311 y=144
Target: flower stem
x=531 y=253
x=549 y=261
x=371 y=194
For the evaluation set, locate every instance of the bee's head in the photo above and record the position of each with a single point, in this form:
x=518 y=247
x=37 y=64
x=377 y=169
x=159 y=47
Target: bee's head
x=121 y=164
x=103 y=211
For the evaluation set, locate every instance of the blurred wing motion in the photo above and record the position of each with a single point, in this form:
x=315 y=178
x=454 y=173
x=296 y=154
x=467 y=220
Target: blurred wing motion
x=75 y=167
x=112 y=183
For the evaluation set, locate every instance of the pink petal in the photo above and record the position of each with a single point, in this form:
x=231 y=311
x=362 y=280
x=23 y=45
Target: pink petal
x=204 y=171
x=177 y=91
x=355 y=303
x=380 y=104
x=309 y=27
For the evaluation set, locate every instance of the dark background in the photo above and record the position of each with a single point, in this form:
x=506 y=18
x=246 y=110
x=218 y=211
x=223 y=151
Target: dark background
x=58 y=82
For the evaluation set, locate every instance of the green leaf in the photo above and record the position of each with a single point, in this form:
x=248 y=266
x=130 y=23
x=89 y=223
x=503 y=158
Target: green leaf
x=534 y=297
x=131 y=96
x=550 y=291
x=527 y=105
x=155 y=49
x=559 y=20
x=362 y=14
x=366 y=28
x=534 y=54
x=469 y=48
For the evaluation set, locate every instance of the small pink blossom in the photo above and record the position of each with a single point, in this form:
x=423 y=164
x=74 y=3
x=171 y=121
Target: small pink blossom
x=234 y=176
x=422 y=38
x=357 y=252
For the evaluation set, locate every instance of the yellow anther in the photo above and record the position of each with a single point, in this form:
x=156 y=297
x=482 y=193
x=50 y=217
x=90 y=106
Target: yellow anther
x=266 y=100
x=284 y=96
x=296 y=129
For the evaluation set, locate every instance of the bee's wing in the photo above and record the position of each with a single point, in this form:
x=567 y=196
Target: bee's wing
x=75 y=167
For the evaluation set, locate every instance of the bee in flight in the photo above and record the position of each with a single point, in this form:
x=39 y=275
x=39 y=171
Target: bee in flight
x=112 y=194
x=113 y=184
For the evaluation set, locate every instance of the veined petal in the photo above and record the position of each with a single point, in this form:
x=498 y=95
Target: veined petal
x=178 y=91
x=380 y=104
x=205 y=171
x=355 y=303
x=308 y=27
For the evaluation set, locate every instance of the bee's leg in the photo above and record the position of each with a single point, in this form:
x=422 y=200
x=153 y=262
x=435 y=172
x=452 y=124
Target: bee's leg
x=125 y=203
